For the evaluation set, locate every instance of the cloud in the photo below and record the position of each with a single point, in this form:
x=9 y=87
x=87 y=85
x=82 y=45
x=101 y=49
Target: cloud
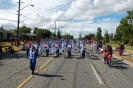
x=107 y=20
x=72 y=16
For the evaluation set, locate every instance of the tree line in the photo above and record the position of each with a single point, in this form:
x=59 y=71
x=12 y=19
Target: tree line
x=124 y=32
x=41 y=33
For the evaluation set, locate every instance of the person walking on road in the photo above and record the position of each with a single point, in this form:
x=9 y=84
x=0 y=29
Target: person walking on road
x=32 y=57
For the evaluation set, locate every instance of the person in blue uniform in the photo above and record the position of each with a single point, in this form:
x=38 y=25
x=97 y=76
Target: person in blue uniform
x=32 y=57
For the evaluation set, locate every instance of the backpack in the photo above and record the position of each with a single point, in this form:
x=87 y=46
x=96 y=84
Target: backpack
x=57 y=46
x=69 y=47
x=45 y=46
x=84 y=47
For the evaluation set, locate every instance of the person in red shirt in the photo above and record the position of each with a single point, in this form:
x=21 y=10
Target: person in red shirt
x=18 y=42
x=11 y=42
x=105 y=56
x=109 y=58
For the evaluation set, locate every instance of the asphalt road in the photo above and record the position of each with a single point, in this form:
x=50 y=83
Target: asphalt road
x=64 y=72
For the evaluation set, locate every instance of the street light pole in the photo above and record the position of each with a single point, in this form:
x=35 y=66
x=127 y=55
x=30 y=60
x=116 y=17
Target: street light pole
x=55 y=30
x=19 y=19
x=18 y=22
x=27 y=6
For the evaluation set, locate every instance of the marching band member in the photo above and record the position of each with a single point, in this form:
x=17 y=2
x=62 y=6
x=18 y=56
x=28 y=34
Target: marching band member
x=32 y=57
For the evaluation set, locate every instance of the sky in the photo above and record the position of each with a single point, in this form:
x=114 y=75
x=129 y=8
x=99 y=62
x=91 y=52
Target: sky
x=71 y=16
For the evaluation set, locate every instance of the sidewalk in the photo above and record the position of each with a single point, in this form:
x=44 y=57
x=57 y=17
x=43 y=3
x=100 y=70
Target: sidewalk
x=125 y=54
x=129 y=63
x=128 y=54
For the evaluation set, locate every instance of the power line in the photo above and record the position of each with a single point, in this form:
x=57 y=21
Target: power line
x=36 y=9
x=27 y=9
x=8 y=20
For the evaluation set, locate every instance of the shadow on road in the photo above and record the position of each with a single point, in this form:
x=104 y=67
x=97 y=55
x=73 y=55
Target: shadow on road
x=73 y=56
x=94 y=57
x=1 y=64
x=48 y=75
x=118 y=64
x=13 y=55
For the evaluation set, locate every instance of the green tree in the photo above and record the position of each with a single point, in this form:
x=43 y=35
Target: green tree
x=89 y=36
x=59 y=34
x=35 y=30
x=70 y=36
x=43 y=33
x=39 y=33
x=118 y=35
x=24 y=30
x=125 y=29
x=106 y=37
x=99 y=34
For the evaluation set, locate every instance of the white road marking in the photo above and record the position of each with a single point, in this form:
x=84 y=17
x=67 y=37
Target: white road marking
x=96 y=74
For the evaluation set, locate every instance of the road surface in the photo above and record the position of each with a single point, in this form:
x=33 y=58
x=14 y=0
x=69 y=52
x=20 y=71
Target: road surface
x=64 y=72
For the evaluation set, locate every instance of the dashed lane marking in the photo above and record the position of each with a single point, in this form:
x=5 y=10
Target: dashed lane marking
x=96 y=74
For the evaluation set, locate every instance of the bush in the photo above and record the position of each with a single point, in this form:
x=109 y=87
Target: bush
x=131 y=42
x=115 y=42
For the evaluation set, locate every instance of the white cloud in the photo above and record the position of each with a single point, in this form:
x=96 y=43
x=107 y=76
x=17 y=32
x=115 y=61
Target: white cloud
x=75 y=16
x=107 y=20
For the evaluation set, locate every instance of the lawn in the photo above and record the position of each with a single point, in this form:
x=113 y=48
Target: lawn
x=127 y=48
x=6 y=44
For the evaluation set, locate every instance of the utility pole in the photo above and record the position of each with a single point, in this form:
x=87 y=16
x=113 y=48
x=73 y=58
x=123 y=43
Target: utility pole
x=18 y=22
x=55 y=30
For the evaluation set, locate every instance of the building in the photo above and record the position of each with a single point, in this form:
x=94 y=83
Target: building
x=31 y=36
x=5 y=35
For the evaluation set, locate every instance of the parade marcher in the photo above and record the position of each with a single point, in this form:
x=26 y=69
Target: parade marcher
x=41 y=47
x=104 y=47
x=57 y=49
x=84 y=50
x=104 y=54
x=37 y=47
x=27 y=47
x=98 y=47
x=91 y=45
x=81 y=47
x=69 y=51
x=63 y=46
x=32 y=57
x=46 y=48
x=95 y=47
x=73 y=47
x=109 y=56
x=50 y=48
x=53 y=46
x=60 y=48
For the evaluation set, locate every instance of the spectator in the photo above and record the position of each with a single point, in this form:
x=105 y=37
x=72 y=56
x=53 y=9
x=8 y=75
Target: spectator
x=0 y=49
x=123 y=47
x=119 y=49
x=11 y=42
